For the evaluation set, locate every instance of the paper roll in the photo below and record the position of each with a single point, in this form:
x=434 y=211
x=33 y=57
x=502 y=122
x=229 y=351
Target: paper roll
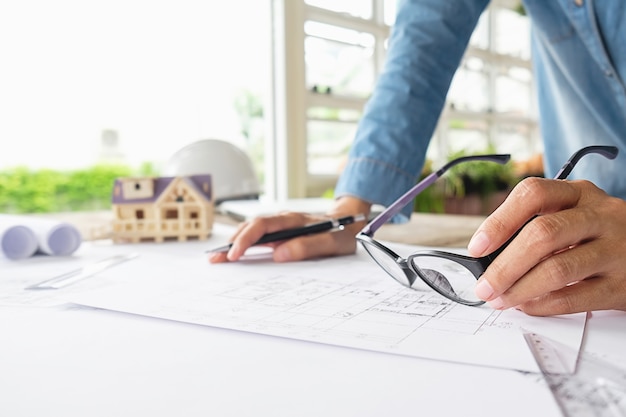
x=49 y=236
x=61 y=239
x=17 y=242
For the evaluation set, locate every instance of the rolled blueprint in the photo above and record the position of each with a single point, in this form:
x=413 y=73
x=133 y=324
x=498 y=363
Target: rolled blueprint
x=16 y=241
x=52 y=237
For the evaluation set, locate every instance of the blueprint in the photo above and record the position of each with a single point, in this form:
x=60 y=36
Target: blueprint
x=345 y=301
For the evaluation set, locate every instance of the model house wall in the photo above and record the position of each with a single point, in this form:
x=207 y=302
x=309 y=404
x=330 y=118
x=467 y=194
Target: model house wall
x=162 y=208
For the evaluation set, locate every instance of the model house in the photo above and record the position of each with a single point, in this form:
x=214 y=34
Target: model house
x=161 y=209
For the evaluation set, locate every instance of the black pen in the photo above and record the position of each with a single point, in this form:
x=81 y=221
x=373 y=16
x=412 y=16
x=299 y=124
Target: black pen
x=325 y=226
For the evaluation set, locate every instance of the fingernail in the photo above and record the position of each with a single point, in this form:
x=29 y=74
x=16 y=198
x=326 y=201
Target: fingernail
x=478 y=244
x=496 y=303
x=483 y=290
x=282 y=254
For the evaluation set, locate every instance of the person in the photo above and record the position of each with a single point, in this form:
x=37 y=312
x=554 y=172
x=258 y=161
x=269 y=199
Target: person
x=577 y=234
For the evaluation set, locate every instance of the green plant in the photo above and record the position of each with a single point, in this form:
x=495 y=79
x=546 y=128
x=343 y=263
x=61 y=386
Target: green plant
x=431 y=200
x=23 y=190
x=478 y=177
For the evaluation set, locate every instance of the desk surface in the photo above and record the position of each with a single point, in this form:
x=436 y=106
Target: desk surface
x=433 y=230
x=77 y=362
x=423 y=228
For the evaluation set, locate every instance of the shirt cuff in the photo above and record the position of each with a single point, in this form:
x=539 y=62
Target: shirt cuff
x=376 y=182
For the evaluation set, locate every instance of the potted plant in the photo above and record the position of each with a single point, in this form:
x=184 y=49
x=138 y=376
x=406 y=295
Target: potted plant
x=477 y=187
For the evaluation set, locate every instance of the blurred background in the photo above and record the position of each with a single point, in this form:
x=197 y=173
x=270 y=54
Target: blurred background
x=90 y=91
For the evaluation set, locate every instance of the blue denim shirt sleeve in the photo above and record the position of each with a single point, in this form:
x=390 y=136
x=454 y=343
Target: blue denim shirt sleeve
x=579 y=71
x=425 y=48
x=579 y=66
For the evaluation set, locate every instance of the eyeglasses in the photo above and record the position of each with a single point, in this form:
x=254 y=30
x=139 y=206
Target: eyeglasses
x=451 y=275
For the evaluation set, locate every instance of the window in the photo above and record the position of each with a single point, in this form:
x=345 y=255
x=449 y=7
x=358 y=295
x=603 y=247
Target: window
x=491 y=101
x=332 y=59
x=326 y=69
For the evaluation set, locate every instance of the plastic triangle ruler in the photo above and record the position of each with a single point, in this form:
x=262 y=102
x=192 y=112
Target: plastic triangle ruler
x=597 y=388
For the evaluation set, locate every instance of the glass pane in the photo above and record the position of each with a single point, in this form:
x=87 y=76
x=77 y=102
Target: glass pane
x=389 y=12
x=337 y=33
x=513 y=91
x=328 y=144
x=516 y=139
x=345 y=69
x=470 y=136
x=358 y=8
x=469 y=90
x=480 y=37
x=512 y=33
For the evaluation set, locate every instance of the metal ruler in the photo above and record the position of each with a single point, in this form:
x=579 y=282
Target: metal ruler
x=87 y=271
x=596 y=389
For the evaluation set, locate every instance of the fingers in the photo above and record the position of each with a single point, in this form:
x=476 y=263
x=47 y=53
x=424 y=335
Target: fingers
x=567 y=259
x=250 y=232
x=530 y=197
x=220 y=257
x=253 y=230
x=537 y=250
x=597 y=293
x=567 y=267
x=339 y=242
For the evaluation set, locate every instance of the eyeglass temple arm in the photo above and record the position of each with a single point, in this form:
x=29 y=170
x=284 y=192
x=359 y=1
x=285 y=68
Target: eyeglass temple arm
x=609 y=152
x=407 y=197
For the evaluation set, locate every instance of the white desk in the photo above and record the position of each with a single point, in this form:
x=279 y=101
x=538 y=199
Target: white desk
x=84 y=362
x=98 y=363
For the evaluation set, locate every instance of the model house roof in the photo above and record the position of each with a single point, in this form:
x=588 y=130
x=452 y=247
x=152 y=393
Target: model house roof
x=200 y=183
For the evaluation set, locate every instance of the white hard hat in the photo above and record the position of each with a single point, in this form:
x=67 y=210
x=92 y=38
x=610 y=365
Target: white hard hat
x=231 y=169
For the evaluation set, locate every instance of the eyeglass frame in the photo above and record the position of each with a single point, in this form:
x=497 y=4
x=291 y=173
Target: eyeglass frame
x=477 y=266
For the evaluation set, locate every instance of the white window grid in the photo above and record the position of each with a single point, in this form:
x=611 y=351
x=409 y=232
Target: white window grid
x=287 y=175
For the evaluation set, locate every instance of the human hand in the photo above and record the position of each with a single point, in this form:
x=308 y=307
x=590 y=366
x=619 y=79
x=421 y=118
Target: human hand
x=570 y=258
x=341 y=242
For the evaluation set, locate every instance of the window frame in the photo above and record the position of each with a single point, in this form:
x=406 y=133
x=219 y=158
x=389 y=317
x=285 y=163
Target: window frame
x=287 y=175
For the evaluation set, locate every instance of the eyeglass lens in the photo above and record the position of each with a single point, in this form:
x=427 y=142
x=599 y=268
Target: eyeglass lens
x=445 y=276
x=386 y=262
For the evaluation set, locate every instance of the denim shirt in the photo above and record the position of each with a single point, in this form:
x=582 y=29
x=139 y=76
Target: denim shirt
x=579 y=64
